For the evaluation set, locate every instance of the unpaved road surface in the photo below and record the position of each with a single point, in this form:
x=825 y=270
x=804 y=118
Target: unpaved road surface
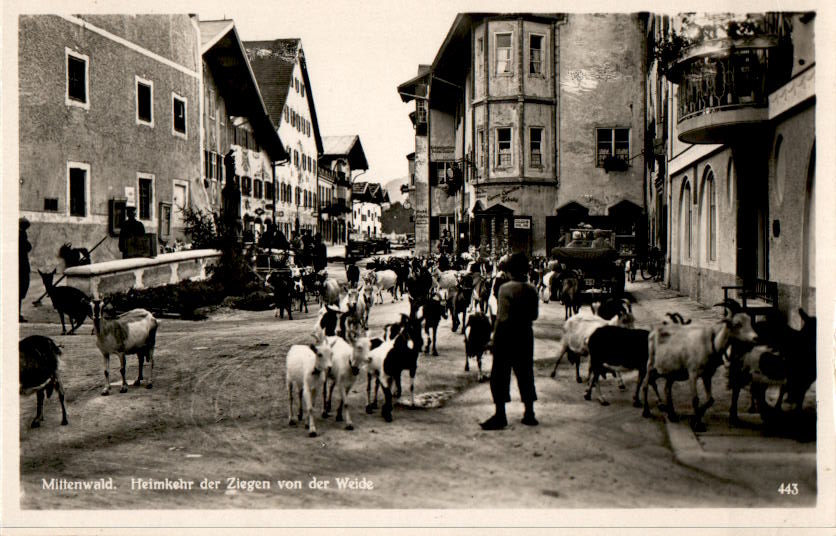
x=218 y=411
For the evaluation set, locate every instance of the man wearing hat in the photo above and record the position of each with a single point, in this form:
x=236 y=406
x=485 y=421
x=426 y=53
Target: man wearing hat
x=24 y=247
x=130 y=228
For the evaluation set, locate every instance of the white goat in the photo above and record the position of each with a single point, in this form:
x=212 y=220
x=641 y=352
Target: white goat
x=134 y=332
x=346 y=361
x=306 y=369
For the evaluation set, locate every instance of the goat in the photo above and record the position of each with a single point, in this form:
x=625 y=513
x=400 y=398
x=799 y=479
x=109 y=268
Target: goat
x=432 y=310
x=299 y=292
x=134 y=332
x=282 y=285
x=346 y=360
x=306 y=368
x=353 y=307
x=482 y=292
x=68 y=301
x=616 y=347
x=769 y=364
x=570 y=294
x=576 y=335
x=74 y=256
x=612 y=307
x=384 y=280
x=679 y=352
x=458 y=301
x=388 y=361
x=368 y=299
x=40 y=367
x=330 y=292
x=477 y=335
x=352 y=273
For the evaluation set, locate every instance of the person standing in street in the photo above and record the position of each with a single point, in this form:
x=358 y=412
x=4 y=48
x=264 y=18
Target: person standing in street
x=320 y=254
x=513 y=343
x=24 y=247
x=131 y=228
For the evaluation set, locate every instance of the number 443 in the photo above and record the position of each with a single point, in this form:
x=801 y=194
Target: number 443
x=788 y=488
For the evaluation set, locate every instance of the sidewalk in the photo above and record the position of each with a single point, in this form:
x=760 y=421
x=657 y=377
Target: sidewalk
x=745 y=454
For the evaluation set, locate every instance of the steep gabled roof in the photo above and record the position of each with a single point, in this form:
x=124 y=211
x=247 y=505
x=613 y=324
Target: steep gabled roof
x=225 y=56
x=273 y=62
x=348 y=147
x=369 y=192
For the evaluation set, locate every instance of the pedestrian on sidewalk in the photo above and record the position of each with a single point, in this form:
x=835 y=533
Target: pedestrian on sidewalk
x=513 y=343
x=24 y=247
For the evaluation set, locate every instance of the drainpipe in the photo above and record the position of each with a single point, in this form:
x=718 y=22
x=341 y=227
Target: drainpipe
x=429 y=166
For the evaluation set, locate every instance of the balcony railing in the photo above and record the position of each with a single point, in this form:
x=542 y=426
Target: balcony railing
x=740 y=78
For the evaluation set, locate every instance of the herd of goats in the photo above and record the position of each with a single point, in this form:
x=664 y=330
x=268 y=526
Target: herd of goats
x=758 y=354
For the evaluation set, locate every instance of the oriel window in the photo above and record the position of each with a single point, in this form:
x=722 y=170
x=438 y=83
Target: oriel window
x=535 y=62
x=535 y=146
x=503 y=147
x=504 y=62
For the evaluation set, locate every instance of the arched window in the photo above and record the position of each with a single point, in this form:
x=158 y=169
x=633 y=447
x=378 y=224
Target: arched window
x=711 y=224
x=780 y=171
x=687 y=216
x=730 y=183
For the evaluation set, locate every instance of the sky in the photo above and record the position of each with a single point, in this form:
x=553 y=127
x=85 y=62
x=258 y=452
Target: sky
x=357 y=54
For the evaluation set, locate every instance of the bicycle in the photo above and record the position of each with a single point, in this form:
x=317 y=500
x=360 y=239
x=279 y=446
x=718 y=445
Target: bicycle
x=652 y=267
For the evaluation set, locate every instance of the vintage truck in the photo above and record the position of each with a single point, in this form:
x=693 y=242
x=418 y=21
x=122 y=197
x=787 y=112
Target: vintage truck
x=592 y=253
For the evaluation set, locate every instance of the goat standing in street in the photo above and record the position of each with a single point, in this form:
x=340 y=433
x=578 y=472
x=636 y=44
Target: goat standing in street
x=134 y=332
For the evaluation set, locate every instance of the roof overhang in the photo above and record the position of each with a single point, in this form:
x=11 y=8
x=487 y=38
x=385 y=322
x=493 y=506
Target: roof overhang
x=225 y=55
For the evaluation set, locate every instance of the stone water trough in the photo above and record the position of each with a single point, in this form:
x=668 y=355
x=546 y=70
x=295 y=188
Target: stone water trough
x=142 y=272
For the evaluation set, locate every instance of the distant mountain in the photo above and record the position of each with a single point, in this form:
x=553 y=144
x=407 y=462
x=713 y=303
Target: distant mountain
x=394 y=189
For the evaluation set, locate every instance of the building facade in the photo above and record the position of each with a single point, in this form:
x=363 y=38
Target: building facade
x=741 y=154
x=109 y=116
x=240 y=142
x=366 y=201
x=281 y=71
x=344 y=158
x=528 y=124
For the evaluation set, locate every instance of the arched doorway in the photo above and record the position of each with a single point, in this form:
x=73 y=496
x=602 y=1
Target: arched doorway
x=808 y=240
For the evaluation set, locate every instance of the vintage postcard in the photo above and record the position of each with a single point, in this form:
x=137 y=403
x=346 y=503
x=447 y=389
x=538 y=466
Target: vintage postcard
x=436 y=265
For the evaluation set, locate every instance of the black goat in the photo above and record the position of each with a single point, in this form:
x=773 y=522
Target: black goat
x=477 y=335
x=616 y=347
x=68 y=301
x=432 y=310
x=40 y=372
x=74 y=256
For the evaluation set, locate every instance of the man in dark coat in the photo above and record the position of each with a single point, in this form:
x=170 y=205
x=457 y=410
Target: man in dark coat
x=24 y=247
x=513 y=343
x=320 y=253
x=130 y=228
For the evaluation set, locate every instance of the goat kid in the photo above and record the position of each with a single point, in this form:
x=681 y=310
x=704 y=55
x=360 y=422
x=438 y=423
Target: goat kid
x=134 y=332
x=40 y=367
x=307 y=366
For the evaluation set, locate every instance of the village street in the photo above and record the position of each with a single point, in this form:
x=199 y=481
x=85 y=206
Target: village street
x=218 y=411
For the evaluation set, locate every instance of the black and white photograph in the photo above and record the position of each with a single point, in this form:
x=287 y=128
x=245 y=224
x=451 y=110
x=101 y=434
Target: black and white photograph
x=370 y=264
